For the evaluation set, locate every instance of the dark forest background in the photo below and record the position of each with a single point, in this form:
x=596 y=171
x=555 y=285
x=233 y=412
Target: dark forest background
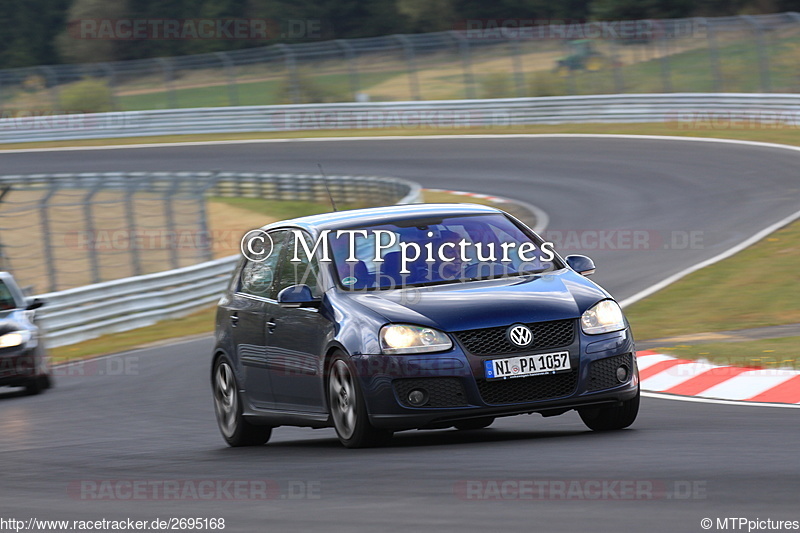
x=34 y=32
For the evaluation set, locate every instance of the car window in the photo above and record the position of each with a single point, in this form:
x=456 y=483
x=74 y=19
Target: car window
x=302 y=272
x=6 y=298
x=451 y=249
x=259 y=278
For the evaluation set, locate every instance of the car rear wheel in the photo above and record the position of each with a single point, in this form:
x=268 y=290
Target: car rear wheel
x=235 y=429
x=610 y=418
x=349 y=410
x=475 y=423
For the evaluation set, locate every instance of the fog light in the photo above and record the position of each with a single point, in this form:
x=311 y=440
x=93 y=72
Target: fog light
x=623 y=373
x=418 y=397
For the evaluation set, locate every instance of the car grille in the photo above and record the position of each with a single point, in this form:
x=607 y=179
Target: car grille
x=493 y=341
x=530 y=389
x=442 y=392
x=603 y=372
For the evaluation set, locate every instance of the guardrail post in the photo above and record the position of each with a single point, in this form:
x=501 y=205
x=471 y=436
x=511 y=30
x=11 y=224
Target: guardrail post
x=208 y=185
x=408 y=52
x=352 y=66
x=763 y=53
x=466 y=63
x=88 y=220
x=619 y=83
x=2 y=105
x=713 y=51
x=169 y=218
x=516 y=61
x=131 y=185
x=172 y=100
x=666 y=75
x=230 y=74
x=52 y=83
x=5 y=263
x=291 y=70
x=112 y=82
x=49 y=257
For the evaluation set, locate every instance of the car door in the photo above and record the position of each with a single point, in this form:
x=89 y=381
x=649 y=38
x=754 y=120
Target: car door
x=296 y=342
x=252 y=302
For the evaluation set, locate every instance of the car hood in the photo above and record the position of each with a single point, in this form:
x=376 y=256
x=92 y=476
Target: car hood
x=488 y=303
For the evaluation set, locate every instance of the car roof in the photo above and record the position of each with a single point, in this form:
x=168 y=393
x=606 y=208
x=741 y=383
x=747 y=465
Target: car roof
x=381 y=215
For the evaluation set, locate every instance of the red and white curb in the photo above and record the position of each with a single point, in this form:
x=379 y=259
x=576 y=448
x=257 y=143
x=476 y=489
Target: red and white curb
x=666 y=374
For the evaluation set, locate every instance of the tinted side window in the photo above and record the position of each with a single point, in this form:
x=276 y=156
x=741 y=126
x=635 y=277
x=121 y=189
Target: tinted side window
x=259 y=279
x=6 y=298
x=302 y=272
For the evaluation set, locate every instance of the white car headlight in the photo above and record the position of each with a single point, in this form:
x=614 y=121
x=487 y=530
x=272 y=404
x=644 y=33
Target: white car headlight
x=603 y=317
x=14 y=338
x=405 y=338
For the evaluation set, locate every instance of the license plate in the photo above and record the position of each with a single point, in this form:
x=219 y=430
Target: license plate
x=527 y=365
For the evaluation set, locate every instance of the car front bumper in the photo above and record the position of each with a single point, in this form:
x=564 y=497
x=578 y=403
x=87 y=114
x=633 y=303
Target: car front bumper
x=455 y=387
x=19 y=366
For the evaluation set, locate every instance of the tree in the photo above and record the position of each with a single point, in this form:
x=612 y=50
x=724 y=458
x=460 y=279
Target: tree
x=27 y=31
x=81 y=42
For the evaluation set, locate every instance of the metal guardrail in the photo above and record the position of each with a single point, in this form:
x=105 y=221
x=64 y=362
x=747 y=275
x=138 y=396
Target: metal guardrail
x=430 y=116
x=82 y=313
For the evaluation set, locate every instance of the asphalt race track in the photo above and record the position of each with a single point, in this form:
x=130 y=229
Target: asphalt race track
x=147 y=415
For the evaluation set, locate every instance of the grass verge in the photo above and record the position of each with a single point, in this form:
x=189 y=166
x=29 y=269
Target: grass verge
x=765 y=353
x=748 y=290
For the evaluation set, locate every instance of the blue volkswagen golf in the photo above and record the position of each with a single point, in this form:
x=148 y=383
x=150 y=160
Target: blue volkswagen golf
x=414 y=317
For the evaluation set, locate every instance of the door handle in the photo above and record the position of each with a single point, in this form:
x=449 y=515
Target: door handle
x=271 y=325
x=234 y=319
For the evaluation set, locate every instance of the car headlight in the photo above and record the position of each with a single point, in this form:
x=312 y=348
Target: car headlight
x=14 y=338
x=603 y=317
x=405 y=338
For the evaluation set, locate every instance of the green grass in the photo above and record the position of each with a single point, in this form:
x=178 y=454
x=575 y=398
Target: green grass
x=781 y=352
x=754 y=288
x=248 y=93
x=279 y=209
x=201 y=322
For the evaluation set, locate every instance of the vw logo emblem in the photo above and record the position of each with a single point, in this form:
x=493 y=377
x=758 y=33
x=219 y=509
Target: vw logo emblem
x=520 y=335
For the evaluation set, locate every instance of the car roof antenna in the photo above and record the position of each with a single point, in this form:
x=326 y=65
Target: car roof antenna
x=325 y=181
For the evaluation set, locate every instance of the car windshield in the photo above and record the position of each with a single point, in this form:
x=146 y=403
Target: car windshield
x=6 y=298
x=427 y=251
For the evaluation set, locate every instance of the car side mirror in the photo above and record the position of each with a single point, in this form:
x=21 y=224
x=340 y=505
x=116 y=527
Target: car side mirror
x=581 y=264
x=36 y=303
x=297 y=296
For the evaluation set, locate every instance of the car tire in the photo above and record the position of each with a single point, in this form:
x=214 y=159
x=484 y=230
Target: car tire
x=37 y=385
x=235 y=429
x=348 y=409
x=475 y=423
x=611 y=418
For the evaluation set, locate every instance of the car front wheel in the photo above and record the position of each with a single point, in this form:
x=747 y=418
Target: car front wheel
x=235 y=429
x=610 y=418
x=349 y=410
